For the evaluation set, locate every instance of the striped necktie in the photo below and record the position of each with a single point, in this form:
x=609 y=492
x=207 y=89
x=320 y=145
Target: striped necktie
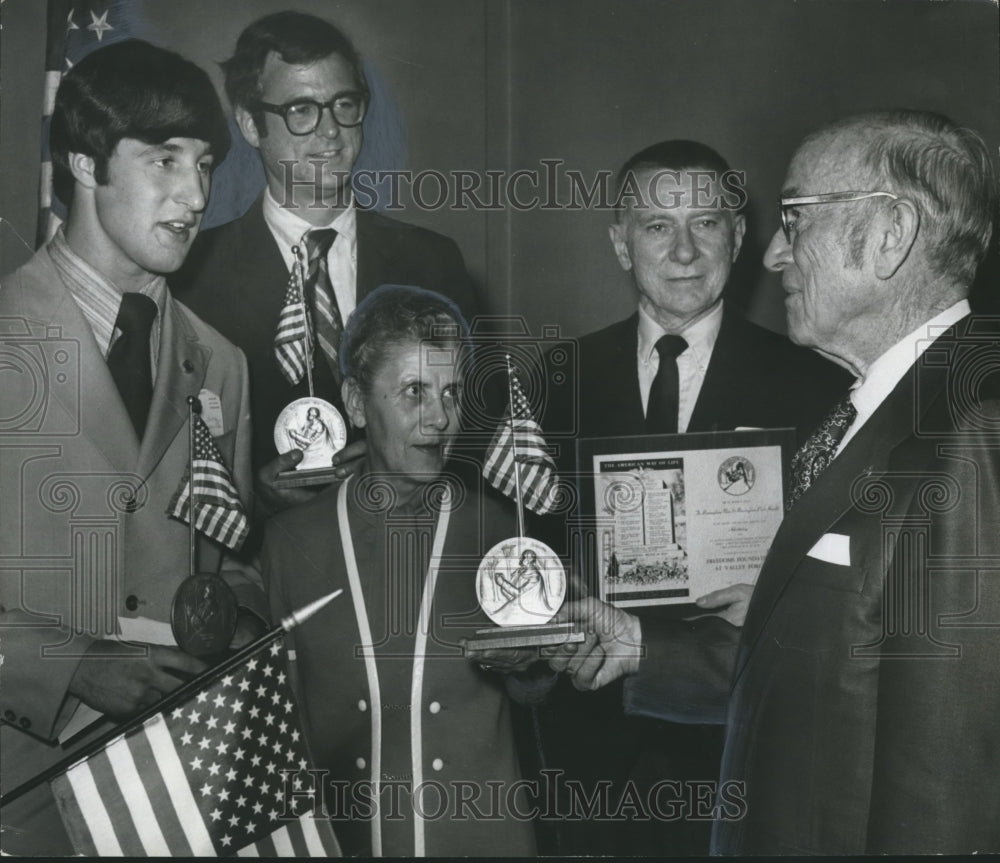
x=329 y=325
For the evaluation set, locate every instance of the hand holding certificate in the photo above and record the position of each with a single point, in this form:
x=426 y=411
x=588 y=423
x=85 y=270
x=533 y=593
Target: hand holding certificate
x=678 y=517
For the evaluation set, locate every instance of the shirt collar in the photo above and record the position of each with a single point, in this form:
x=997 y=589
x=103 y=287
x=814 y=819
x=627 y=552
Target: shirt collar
x=700 y=335
x=96 y=295
x=289 y=228
x=882 y=375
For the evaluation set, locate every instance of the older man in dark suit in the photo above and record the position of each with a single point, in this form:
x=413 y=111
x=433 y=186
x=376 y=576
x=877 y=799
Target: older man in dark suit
x=299 y=95
x=862 y=716
x=683 y=362
x=703 y=367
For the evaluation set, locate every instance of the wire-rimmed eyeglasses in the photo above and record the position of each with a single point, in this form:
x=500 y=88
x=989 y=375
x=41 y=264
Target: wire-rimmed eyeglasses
x=785 y=204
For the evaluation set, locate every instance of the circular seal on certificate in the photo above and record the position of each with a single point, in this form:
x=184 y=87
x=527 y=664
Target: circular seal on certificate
x=521 y=581
x=314 y=426
x=203 y=615
x=737 y=475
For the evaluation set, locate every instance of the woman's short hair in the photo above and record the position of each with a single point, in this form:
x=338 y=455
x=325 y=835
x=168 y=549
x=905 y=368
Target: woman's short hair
x=393 y=315
x=131 y=89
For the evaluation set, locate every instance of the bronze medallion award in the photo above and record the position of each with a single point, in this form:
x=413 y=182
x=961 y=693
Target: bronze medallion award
x=203 y=615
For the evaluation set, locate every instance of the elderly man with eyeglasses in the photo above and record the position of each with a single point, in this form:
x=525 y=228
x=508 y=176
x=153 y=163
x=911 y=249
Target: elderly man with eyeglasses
x=863 y=693
x=299 y=95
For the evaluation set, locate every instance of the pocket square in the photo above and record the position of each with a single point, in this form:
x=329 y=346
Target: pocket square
x=833 y=548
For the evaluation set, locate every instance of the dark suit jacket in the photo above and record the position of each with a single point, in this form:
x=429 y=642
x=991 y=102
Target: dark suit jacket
x=755 y=378
x=863 y=714
x=235 y=279
x=464 y=725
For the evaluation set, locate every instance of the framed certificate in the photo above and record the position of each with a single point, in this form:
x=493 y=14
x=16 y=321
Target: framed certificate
x=673 y=517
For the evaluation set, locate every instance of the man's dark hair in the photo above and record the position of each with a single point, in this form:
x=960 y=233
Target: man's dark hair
x=131 y=90
x=677 y=155
x=296 y=38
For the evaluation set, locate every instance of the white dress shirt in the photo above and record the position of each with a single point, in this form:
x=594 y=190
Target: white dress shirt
x=881 y=378
x=692 y=363
x=289 y=229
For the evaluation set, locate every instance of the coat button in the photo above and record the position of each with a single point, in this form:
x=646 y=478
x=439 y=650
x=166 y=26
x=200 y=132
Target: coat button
x=361 y=763
x=437 y=764
x=362 y=705
x=188 y=366
x=132 y=602
x=435 y=707
x=24 y=722
x=9 y=715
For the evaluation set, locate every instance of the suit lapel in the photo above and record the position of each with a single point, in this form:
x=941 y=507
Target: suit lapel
x=831 y=496
x=103 y=418
x=372 y=265
x=724 y=371
x=621 y=368
x=180 y=372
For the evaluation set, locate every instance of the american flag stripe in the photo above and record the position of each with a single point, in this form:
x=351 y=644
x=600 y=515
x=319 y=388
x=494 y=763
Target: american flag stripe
x=218 y=511
x=205 y=780
x=537 y=469
x=150 y=837
x=116 y=803
x=170 y=774
x=159 y=794
x=95 y=816
x=310 y=836
x=292 y=338
x=116 y=769
x=74 y=29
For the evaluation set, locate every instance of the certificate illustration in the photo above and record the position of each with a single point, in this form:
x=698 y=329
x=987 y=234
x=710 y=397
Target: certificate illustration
x=678 y=516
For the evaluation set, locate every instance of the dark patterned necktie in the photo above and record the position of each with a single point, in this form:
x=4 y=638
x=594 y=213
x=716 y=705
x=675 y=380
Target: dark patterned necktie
x=129 y=358
x=329 y=325
x=661 y=412
x=815 y=455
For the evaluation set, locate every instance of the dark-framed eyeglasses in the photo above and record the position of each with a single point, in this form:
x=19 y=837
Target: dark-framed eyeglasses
x=786 y=204
x=302 y=116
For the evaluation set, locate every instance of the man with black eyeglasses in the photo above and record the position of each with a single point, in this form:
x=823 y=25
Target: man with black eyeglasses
x=299 y=96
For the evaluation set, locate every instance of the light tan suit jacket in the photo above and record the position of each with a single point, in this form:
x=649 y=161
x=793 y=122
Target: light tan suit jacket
x=84 y=534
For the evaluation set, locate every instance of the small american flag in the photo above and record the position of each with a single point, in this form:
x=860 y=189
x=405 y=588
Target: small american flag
x=207 y=778
x=291 y=339
x=539 y=481
x=218 y=512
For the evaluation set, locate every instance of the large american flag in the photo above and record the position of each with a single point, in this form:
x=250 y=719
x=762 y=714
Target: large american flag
x=518 y=445
x=292 y=338
x=75 y=28
x=207 y=778
x=218 y=512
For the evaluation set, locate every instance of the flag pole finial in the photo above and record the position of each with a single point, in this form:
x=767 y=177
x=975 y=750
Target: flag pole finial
x=301 y=615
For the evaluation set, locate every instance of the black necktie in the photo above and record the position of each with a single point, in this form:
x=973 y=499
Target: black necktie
x=815 y=455
x=661 y=412
x=329 y=325
x=129 y=358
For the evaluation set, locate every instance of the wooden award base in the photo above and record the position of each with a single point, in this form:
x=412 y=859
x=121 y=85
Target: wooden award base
x=302 y=478
x=533 y=635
